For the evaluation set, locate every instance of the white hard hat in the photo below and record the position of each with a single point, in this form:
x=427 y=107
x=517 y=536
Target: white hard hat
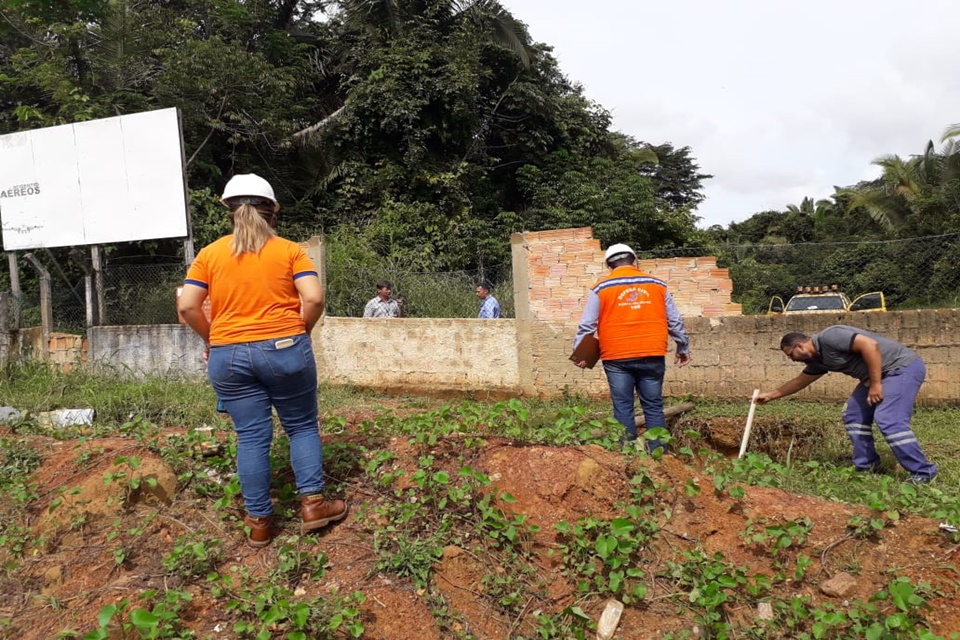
x=618 y=249
x=252 y=185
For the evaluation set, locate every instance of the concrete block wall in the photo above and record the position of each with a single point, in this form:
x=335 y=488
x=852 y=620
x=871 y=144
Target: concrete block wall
x=20 y=344
x=436 y=355
x=732 y=356
x=171 y=350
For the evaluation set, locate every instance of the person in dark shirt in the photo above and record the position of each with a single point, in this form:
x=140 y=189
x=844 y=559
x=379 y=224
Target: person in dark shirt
x=890 y=376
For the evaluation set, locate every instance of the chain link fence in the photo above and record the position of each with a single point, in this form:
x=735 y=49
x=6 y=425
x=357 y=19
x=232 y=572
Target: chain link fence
x=141 y=293
x=129 y=295
x=449 y=294
x=913 y=273
x=67 y=304
x=146 y=294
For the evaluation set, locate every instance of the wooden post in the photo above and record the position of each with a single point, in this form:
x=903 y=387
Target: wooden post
x=15 y=288
x=14 y=273
x=188 y=251
x=317 y=252
x=46 y=304
x=88 y=298
x=100 y=316
x=669 y=412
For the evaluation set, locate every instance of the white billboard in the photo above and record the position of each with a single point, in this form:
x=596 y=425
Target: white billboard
x=111 y=180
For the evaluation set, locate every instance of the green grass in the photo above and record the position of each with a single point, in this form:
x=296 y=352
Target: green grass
x=117 y=397
x=438 y=507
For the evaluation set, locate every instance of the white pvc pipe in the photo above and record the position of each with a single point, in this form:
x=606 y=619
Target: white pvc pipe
x=746 y=431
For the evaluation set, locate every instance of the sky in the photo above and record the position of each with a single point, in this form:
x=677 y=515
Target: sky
x=777 y=100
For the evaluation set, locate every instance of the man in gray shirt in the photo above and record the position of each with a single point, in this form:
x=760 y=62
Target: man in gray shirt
x=890 y=376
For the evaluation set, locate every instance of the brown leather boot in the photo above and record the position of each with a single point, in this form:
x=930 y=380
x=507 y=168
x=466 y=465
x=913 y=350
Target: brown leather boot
x=317 y=512
x=262 y=530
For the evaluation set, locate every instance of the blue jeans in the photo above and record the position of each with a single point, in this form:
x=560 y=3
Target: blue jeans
x=893 y=417
x=252 y=377
x=645 y=376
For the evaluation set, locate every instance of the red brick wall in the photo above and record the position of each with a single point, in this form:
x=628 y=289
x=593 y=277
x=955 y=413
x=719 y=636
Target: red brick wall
x=561 y=265
x=66 y=350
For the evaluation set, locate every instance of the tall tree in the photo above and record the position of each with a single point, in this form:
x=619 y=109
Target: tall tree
x=425 y=130
x=442 y=106
x=676 y=177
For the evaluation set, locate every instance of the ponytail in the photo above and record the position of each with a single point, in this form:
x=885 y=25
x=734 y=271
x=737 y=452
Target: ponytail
x=251 y=230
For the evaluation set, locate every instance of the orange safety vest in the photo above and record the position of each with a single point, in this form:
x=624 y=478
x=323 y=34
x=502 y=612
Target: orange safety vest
x=633 y=315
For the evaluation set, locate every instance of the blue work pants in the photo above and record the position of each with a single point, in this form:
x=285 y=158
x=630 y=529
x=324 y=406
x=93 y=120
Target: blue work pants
x=892 y=416
x=250 y=379
x=645 y=377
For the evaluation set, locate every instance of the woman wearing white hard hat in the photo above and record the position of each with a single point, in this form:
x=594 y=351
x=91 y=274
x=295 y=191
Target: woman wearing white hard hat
x=265 y=298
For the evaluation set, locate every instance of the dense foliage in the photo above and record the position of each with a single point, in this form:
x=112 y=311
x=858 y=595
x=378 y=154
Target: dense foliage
x=899 y=234
x=419 y=134
x=419 y=131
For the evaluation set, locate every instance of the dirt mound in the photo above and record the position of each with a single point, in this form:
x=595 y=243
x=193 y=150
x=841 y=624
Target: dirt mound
x=107 y=540
x=101 y=479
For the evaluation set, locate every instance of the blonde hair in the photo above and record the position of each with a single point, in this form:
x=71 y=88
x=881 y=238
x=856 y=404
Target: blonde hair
x=250 y=229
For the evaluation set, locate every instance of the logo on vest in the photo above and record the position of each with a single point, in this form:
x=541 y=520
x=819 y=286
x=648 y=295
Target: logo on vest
x=633 y=297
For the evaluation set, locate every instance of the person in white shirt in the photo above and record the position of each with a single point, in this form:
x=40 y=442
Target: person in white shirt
x=382 y=306
x=489 y=306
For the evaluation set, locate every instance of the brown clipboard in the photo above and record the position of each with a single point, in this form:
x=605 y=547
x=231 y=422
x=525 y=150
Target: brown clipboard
x=588 y=350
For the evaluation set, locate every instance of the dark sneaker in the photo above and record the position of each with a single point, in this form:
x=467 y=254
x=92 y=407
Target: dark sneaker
x=316 y=512
x=260 y=531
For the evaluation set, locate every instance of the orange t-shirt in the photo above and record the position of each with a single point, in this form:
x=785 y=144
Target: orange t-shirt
x=633 y=315
x=252 y=296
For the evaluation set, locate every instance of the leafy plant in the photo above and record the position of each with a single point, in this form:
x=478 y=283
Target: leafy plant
x=778 y=537
x=193 y=556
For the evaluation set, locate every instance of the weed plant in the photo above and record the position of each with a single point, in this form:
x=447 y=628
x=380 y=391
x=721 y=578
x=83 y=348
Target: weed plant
x=414 y=516
x=116 y=396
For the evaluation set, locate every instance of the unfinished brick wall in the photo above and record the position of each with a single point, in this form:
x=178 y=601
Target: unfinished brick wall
x=62 y=351
x=732 y=354
x=557 y=268
x=553 y=272
x=66 y=350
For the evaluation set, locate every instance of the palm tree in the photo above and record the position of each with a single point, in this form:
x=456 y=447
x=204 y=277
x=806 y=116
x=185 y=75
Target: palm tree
x=887 y=199
x=923 y=188
x=817 y=210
